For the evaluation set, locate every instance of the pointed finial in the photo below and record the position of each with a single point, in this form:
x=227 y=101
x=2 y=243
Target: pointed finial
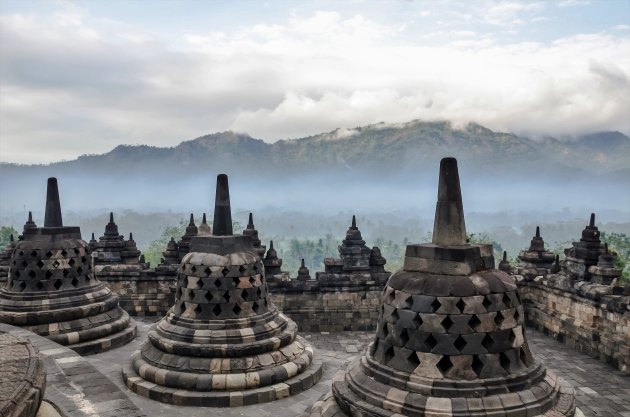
x=192 y=220
x=537 y=231
x=592 y=222
x=505 y=255
x=303 y=266
x=250 y=222
x=130 y=236
x=53 y=205
x=93 y=236
x=606 y=248
x=354 y=221
x=203 y=218
x=557 y=259
x=222 y=225
x=270 y=244
x=449 y=227
x=142 y=260
x=30 y=217
x=111 y=217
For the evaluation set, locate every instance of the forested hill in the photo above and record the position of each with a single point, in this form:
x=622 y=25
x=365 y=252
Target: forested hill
x=380 y=150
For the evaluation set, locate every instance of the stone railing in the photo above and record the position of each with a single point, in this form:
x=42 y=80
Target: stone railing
x=590 y=318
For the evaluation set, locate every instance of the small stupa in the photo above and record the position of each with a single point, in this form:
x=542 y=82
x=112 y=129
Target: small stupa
x=251 y=231
x=223 y=343
x=537 y=257
x=605 y=271
x=585 y=253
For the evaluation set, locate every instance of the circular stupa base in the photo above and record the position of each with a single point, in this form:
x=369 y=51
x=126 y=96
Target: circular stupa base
x=106 y=343
x=23 y=377
x=222 y=398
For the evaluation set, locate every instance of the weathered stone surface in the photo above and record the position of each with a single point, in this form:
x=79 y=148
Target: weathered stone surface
x=22 y=377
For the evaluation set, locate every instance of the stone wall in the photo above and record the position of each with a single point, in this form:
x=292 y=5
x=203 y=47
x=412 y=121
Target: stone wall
x=584 y=316
x=316 y=311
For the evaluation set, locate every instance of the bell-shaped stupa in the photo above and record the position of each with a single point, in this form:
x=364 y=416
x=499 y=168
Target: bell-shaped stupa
x=450 y=337
x=223 y=343
x=52 y=291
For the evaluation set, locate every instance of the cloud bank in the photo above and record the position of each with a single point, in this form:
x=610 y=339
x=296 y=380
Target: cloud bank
x=74 y=83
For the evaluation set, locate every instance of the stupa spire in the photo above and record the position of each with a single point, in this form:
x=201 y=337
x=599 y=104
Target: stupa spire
x=354 y=222
x=592 y=222
x=222 y=224
x=449 y=228
x=53 y=205
x=250 y=222
x=537 y=231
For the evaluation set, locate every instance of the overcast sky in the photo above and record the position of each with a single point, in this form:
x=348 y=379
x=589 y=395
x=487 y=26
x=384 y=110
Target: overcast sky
x=83 y=77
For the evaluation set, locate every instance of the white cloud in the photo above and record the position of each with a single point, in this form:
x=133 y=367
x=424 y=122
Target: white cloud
x=81 y=85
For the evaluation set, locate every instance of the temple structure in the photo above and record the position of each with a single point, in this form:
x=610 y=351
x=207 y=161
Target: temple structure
x=183 y=246
x=357 y=265
x=605 y=272
x=222 y=343
x=584 y=254
x=113 y=249
x=504 y=265
x=204 y=228
x=450 y=337
x=303 y=273
x=52 y=290
x=537 y=257
x=5 y=260
x=273 y=265
x=251 y=231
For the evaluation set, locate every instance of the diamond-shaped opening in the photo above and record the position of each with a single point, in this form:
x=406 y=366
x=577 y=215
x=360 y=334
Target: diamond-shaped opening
x=474 y=322
x=185 y=282
x=487 y=342
x=477 y=365
x=413 y=359
x=48 y=274
x=255 y=307
x=523 y=356
x=389 y=354
x=408 y=301
x=242 y=269
x=447 y=323
x=40 y=263
x=404 y=337
x=207 y=271
x=39 y=285
x=255 y=267
x=394 y=314
x=217 y=283
x=83 y=259
x=17 y=274
x=57 y=284
x=79 y=270
x=199 y=284
x=252 y=280
x=208 y=295
x=198 y=309
x=193 y=269
x=435 y=305
x=65 y=272
x=225 y=271
x=504 y=361
x=259 y=293
x=48 y=254
x=507 y=301
x=460 y=343
x=31 y=273
x=226 y=296
x=25 y=264
x=87 y=278
x=461 y=305
x=71 y=262
x=417 y=321
x=498 y=319
x=444 y=364
x=22 y=285
x=191 y=293
x=75 y=282
x=245 y=295
x=21 y=253
x=430 y=343
x=182 y=308
x=64 y=253
x=392 y=295
x=34 y=253
x=77 y=251
x=216 y=310
x=237 y=309
x=486 y=303
x=517 y=316
x=512 y=336
x=236 y=281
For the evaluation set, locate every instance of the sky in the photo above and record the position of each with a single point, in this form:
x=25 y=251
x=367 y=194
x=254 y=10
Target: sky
x=81 y=77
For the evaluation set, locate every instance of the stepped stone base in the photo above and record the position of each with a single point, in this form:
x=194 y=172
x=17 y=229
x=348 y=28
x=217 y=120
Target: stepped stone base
x=22 y=377
x=107 y=342
x=224 y=398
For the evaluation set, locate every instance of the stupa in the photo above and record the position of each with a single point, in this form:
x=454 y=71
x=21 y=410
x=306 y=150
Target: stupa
x=5 y=259
x=52 y=291
x=303 y=273
x=183 y=246
x=357 y=264
x=537 y=257
x=450 y=337
x=605 y=271
x=204 y=229
x=113 y=249
x=222 y=343
x=585 y=253
x=504 y=265
x=251 y=231
x=273 y=264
